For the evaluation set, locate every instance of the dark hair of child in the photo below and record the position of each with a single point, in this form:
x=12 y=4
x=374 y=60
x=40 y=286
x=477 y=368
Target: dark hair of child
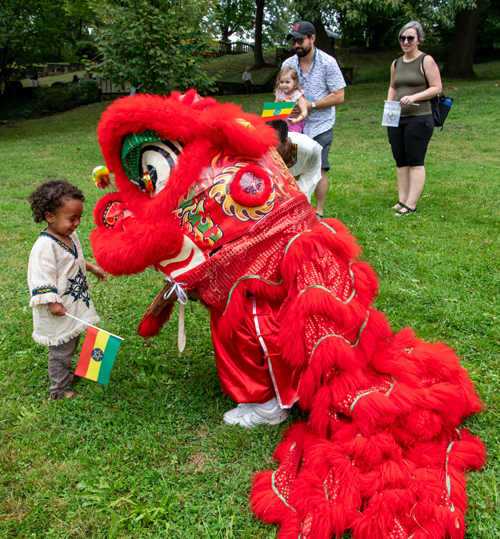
x=50 y=196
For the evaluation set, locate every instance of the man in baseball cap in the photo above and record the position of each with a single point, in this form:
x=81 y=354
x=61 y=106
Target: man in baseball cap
x=301 y=29
x=321 y=78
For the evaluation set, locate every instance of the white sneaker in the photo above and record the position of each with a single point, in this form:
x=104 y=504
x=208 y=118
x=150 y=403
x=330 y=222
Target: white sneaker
x=251 y=415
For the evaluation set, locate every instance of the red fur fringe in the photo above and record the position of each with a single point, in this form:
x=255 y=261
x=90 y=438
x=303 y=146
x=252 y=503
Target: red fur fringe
x=387 y=453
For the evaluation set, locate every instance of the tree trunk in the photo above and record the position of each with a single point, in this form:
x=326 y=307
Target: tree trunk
x=323 y=42
x=225 y=39
x=460 y=60
x=257 y=51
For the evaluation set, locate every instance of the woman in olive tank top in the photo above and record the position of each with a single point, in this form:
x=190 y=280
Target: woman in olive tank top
x=410 y=139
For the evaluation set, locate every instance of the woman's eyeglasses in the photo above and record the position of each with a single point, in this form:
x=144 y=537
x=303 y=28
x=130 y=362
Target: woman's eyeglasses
x=409 y=39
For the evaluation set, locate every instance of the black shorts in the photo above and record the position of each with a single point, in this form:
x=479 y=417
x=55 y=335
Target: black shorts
x=410 y=139
x=325 y=140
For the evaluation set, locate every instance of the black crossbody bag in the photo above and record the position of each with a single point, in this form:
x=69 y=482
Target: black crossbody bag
x=440 y=104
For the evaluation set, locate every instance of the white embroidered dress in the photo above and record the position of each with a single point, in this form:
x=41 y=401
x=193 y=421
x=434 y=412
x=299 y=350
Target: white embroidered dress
x=56 y=274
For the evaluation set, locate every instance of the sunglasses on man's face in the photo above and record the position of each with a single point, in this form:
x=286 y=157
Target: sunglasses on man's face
x=300 y=40
x=409 y=39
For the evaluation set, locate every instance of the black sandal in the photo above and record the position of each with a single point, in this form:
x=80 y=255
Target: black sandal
x=319 y=217
x=398 y=203
x=405 y=210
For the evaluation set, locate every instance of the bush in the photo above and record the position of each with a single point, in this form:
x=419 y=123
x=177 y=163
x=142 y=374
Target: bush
x=87 y=49
x=53 y=99
x=59 y=84
x=86 y=92
x=62 y=96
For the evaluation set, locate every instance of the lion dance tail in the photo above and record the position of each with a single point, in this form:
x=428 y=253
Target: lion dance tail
x=382 y=453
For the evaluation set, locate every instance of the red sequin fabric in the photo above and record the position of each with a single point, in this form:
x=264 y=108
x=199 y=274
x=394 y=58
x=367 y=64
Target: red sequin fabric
x=381 y=384
x=257 y=253
x=286 y=474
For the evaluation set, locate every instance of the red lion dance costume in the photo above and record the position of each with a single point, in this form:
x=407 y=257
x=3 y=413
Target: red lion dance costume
x=204 y=197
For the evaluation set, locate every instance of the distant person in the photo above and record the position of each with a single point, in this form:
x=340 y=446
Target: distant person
x=75 y=80
x=321 y=78
x=288 y=89
x=301 y=154
x=57 y=279
x=34 y=79
x=415 y=79
x=247 y=79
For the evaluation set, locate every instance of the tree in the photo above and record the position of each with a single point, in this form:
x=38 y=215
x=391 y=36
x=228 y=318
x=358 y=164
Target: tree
x=279 y=16
x=377 y=22
x=80 y=16
x=259 y=61
x=460 y=60
x=27 y=31
x=233 y=16
x=488 y=40
x=155 y=46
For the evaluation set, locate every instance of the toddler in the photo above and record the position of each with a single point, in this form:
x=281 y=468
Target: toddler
x=288 y=89
x=57 y=279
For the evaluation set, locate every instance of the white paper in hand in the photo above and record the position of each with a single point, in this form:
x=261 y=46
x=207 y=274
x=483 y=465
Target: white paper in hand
x=392 y=113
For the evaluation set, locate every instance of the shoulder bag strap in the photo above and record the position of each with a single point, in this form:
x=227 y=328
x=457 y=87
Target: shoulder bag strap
x=423 y=69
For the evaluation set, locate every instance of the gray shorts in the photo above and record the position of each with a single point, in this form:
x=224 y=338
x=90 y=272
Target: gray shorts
x=325 y=140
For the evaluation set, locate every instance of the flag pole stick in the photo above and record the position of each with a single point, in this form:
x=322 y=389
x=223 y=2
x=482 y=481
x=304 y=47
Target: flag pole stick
x=90 y=325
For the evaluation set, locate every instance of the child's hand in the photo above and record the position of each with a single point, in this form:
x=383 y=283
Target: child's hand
x=57 y=308
x=97 y=271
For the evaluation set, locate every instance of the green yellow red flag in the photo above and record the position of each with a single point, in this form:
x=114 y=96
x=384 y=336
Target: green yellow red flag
x=98 y=355
x=278 y=111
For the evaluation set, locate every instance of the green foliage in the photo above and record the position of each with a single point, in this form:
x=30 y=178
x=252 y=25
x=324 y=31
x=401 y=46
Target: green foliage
x=29 y=31
x=488 y=38
x=53 y=99
x=86 y=49
x=155 y=47
x=63 y=96
x=148 y=457
x=85 y=92
x=79 y=17
x=279 y=16
x=233 y=16
x=375 y=23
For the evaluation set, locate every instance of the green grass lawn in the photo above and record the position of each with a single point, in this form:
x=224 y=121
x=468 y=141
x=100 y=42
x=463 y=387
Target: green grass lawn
x=65 y=77
x=149 y=457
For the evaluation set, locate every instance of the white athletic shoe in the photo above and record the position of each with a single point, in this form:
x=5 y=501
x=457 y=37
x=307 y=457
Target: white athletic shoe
x=251 y=415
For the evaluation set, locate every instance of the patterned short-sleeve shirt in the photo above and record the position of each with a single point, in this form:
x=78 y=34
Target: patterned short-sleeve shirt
x=323 y=78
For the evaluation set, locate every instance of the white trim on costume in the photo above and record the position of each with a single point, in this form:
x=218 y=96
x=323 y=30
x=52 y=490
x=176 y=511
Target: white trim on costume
x=266 y=354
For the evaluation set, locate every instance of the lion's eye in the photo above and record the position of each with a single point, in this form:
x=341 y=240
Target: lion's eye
x=152 y=173
x=158 y=159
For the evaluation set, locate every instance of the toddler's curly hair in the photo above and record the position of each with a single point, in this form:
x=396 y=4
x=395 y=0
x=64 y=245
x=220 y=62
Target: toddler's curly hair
x=50 y=196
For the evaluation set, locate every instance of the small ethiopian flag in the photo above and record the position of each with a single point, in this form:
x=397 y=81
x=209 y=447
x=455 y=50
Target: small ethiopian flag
x=98 y=355
x=278 y=111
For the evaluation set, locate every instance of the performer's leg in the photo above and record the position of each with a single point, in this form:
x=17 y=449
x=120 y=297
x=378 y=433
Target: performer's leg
x=250 y=367
x=243 y=372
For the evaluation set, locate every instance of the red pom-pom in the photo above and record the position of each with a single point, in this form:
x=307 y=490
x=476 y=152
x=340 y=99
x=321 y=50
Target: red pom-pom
x=251 y=186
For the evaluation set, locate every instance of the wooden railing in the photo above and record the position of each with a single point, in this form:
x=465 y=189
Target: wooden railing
x=238 y=47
